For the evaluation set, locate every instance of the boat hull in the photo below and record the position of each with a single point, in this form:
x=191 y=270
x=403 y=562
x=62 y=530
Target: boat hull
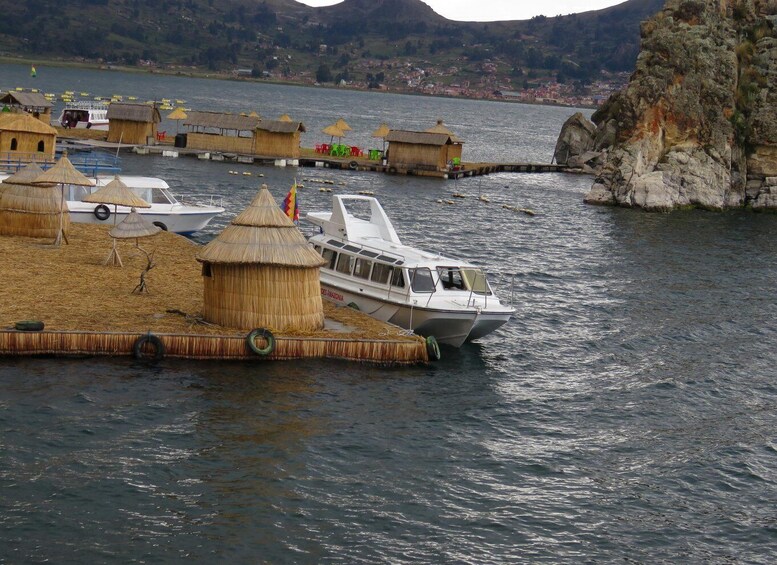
x=176 y=222
x=449 y=327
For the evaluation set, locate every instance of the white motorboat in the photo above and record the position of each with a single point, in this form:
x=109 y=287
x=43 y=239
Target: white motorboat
x=369 y=268
x=166 y=210
x=89 y=115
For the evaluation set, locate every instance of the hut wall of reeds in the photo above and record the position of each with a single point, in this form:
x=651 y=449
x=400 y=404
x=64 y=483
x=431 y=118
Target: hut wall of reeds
x=216 y=131
x=261 y=272
x=25 y=139
x=422 y=150
x=31 y=210
x=278 y=138
x=33 y=103
x=132 y=123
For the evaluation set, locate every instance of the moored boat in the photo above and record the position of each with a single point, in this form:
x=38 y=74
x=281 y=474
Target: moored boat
x=369 y=268
x=89 y=115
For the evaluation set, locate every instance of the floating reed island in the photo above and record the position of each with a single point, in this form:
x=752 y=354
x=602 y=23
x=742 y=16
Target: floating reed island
x=238 y=298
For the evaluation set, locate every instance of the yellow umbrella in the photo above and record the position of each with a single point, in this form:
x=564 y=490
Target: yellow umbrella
x=253 y=114
x=284 y=118
x=382 y=131
x=63 y=172
x=178 y=114
x=334 y=131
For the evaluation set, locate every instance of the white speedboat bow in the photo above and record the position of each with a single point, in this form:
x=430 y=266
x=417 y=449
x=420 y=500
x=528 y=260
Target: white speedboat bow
x=369 y=268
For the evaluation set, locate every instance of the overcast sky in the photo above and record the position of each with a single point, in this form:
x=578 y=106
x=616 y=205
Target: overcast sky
x=492 y=10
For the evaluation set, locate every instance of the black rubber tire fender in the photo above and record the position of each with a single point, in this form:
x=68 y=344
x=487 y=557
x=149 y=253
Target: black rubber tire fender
x=160 y=225
x=433 y=348
x=29 y=325
x=353 y=165
x=266 y=335
x=156 y=343
x=102 y=212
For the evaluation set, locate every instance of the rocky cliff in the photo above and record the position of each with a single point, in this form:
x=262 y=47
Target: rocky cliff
x=697 y=124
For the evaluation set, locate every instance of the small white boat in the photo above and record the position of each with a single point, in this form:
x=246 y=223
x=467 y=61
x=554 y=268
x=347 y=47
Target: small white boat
x=369 y=268
x=166 y=211
x=89 y=115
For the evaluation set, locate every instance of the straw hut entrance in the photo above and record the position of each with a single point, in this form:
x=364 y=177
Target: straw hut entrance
x=261 y=272
x=23 y=139
x=278 y=138
x=33 y=103
x=422 y=150
x=134 y=124
x=30 y=210
x=216 y=131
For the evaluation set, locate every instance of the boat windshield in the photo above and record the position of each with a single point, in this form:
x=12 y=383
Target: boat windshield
x=468 y=278
x=421 y=280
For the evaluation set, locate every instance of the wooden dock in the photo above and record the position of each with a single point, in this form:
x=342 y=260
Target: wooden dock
x=329 y=162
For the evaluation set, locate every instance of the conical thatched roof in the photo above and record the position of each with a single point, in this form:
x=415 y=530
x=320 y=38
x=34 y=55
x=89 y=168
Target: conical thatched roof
x=439 y=127
x=116 y=192
x=177 y=114
x=382 y=131
x=25 y=175
x=63 y=172
x=284 y=118
x=261 y=234
x=343 y=125
x=134 y=226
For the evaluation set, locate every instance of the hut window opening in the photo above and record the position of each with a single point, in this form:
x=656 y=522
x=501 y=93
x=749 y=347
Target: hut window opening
x=362 y=268
x=345 y=264
x=206 y=272
x=331 y=257
x=397 y=278
x=41 y=146
x=381 y=273
x=14 y=144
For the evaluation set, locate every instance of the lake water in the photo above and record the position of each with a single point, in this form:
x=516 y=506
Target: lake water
x=626 y=413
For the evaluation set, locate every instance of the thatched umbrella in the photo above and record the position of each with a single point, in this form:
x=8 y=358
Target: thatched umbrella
x=284 y=118
x=343 y=125
x=439 y=127
x=334 y=130
x=30 y=210
x=133 y=226
x=63 y=172
x=118 y=194
x=382 y=131
x=178 y=114
x=261 y=272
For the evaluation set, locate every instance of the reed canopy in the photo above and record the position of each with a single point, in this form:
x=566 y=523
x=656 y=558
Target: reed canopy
x=343 y=125
x=261 y=272
x=31 y=210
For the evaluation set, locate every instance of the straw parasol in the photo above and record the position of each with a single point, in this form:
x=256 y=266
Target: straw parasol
x=382 y=132
x=439 y=127
x=63 y=172
x=118 y=194
x=133 y=226
x=343 y=125
x=178 y=114
x=261 y=272
x=335 y=131
x=284 y=118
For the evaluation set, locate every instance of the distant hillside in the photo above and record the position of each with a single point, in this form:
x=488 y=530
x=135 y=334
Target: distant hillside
x=369 y=41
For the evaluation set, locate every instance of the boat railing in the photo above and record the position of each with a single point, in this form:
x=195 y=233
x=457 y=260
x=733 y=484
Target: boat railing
x=212 y=200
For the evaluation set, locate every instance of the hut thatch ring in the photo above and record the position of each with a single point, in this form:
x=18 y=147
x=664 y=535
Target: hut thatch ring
x=102 y=212
x=29 y=326
x=268 y=337
x=156 y=343
x=433 y=348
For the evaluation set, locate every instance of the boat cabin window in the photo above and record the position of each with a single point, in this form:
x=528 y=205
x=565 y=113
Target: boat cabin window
x=397 y=277
x=335 y=243
x=330 y=256
x=421 y=280
x=362 y=268
x=351 y=248
x=381 y=273
x=475 y=280
x=366 y=253
x=450 y=277
x=158 y=197
x=345 y=264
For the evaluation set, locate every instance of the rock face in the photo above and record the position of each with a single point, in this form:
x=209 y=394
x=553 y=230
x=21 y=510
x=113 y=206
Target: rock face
x=697 y=124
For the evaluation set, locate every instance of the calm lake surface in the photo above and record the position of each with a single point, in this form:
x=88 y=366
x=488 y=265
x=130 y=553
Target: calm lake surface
x=627 y=413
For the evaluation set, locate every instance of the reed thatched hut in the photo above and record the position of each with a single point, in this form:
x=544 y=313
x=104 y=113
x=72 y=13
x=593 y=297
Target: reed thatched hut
x=132 y=123
x=23 y=139
x=261 y=272
x=423 y=150
x=218 y=131
x=278 y=138
x=33 y=103
x=30 y=210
